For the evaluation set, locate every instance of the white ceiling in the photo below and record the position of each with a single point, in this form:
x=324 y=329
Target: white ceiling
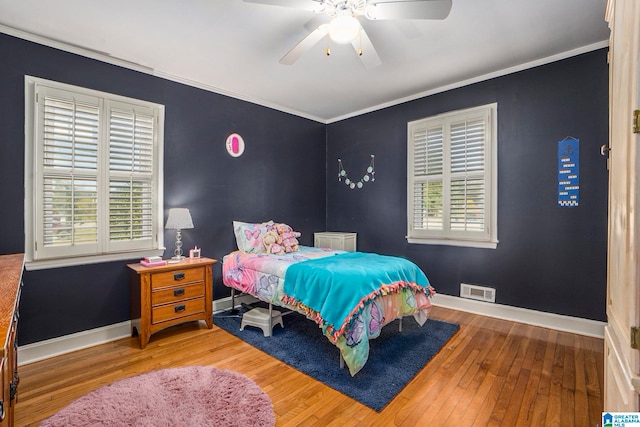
x=233 y=47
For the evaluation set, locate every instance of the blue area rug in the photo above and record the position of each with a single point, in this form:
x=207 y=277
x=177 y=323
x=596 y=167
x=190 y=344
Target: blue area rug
x=394 y=358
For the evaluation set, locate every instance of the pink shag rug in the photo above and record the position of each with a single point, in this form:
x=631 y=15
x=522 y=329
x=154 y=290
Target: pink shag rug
x=191 y=396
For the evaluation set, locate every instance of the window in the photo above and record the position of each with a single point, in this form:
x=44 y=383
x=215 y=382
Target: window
x=93 y=175
x=451 y=179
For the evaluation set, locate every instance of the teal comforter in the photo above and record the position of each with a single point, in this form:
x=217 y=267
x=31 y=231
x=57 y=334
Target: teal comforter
x=329 y=288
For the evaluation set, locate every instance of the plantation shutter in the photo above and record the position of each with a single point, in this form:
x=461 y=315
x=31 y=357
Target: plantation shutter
x=69 y=173
x=96 y=173
x=428 y=167
x=131 y=148
x=450 y=177
x=467 y=199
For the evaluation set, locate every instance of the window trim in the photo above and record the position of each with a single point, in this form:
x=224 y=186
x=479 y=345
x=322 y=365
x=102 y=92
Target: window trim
x=491 y=173
x=31 y=163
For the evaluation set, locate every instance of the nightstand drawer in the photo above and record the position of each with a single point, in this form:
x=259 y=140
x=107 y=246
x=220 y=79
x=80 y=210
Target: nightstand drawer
x=174 y=311
x=172 y=278
x=177 y=293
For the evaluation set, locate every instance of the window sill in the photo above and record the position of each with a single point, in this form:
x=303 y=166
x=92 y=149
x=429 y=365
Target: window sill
x=94 y=259
x=454 y=242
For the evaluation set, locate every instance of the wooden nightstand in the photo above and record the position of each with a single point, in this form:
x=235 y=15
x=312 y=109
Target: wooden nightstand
x=171 y=294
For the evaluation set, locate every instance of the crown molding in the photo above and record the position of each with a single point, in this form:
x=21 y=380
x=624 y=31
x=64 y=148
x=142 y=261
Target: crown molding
x=110 y=59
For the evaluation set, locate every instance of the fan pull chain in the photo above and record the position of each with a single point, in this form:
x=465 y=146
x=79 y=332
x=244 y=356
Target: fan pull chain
x=369 y=176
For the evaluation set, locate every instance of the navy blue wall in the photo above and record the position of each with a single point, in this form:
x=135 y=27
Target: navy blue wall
x=549 y=258
x=281 y=176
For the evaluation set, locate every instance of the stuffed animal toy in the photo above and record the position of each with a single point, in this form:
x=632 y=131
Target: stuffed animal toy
x=289 y=241
x=270 y=241
x=287 y=237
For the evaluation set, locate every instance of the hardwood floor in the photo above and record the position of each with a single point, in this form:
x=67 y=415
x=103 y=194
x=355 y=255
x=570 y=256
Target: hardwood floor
x=492 y=373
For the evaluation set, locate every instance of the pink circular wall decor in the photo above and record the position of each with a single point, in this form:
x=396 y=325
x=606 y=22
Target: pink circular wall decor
x=235 y=145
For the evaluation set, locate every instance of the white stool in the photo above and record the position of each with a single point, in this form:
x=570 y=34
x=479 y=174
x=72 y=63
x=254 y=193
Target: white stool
x=259 y=317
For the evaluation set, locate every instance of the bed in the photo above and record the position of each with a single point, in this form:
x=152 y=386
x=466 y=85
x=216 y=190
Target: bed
x=350 y=295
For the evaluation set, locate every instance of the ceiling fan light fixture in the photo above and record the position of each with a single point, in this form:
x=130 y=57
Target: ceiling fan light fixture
x=370 y=12
x=344 y=28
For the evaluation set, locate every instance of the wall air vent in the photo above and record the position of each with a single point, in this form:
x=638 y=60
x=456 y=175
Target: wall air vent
x=481 y=293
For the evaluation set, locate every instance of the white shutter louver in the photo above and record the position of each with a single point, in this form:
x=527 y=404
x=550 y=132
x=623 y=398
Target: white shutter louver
x=467 y=175
x=70 y=211
x=130 y=210
x=130 y=142
x=70 y=134
x=70 y=166
x=428 y=161
x=131 y=171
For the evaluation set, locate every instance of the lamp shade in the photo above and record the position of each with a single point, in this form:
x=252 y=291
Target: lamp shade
x=344 y=28
x=179 y=219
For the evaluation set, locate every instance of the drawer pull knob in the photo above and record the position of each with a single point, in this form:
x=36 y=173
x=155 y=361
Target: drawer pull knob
x=178 y=276
x=13 y=390
x=178 y=292
x=179 y=308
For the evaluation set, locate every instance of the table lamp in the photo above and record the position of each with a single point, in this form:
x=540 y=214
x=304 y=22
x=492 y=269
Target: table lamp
x=179 y=219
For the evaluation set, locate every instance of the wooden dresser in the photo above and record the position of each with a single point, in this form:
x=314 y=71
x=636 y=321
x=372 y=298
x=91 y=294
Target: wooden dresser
x=171 y=294
x=10 y=284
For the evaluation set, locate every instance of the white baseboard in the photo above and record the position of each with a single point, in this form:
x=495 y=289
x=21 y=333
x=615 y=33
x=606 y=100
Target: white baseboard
x=576 y=325
x=56 y=346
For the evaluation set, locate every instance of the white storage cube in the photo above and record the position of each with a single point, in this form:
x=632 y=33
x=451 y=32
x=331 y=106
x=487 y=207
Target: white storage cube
x=335 y=240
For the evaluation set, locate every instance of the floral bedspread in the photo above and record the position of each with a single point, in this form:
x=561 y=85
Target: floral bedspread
x=263 y=276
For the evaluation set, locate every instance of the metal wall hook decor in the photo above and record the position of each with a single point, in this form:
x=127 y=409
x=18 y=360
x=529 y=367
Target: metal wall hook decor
x=369 y=176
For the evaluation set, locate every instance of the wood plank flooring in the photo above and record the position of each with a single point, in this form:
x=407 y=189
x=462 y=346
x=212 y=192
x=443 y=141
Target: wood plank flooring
x=492 y=373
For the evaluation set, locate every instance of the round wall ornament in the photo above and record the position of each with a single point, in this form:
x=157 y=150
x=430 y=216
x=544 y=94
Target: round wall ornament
x=235 y=145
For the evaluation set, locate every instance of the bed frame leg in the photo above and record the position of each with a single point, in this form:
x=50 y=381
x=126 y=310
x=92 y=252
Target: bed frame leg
x=400 y=325
x=233 y=301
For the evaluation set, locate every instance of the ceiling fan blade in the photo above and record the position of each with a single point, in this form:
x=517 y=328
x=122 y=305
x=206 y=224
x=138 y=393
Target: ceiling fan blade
x=365 y=50
x=307 y=43
x=312 y=5
x=316 y=21
x=413 y=9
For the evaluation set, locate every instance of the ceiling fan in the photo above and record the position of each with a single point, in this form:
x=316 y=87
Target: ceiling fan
x=344 y=24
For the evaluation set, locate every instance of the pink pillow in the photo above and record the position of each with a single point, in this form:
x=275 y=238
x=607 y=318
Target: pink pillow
x=249 y=236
